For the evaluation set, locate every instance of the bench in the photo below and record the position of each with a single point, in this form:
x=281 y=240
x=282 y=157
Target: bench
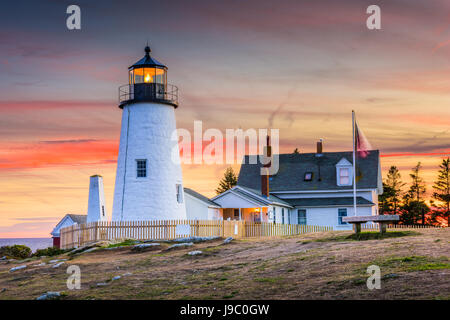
x=382 y=221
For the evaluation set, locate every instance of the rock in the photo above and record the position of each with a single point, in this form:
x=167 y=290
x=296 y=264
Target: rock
x=3 y=258
x=390 y=275
x=146 y=247
x=127 y=274
x=54 y=261
x=101 y=284
x=195 y=253
x=58 y=264
x=116 y=278
x=49 y=296
x=90 y=250
x=18 y=268
x=195 y=239
x=40 y=264
x=180 y=245
x=227 y=240
x=3 y=290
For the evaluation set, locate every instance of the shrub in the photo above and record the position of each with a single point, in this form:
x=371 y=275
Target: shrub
x=17 y=251
x=50 y=251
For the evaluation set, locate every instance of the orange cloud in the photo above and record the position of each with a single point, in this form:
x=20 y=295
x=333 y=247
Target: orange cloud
x=57 y=152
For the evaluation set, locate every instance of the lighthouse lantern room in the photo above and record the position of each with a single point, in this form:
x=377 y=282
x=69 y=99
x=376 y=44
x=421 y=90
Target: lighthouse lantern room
x=147 y=81
x=148 y=178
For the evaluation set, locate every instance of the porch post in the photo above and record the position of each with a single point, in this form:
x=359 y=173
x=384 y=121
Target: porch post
x=240 y=216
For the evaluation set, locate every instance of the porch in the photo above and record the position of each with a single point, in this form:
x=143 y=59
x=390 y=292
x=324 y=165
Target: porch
x=253 y=214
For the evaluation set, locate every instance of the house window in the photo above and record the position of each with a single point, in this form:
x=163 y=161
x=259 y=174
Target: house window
x=274 y=214
x=179 y=193
x=342 y=213
x=301 y=216
x=103 y=210
x=344 y=176
x=141 y=168
x=289 y=216
x=308 y=176
x=282 y=215
x=236 y=214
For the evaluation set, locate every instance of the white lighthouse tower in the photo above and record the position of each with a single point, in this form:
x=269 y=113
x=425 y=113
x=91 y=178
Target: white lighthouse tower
x=148 y=179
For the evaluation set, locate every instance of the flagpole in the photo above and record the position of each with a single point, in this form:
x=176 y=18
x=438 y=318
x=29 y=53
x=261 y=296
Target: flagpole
x=354 y=161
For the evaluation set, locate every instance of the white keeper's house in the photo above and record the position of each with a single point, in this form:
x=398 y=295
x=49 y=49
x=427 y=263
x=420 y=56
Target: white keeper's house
x=309 y=188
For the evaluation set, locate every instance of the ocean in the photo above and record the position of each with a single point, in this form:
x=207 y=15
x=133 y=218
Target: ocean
x=32 y=243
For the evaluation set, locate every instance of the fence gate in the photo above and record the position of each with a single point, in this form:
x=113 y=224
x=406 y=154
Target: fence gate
x=233 y=229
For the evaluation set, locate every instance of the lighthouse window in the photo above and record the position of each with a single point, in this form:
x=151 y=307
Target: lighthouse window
x=179 y=193
x=141 y=167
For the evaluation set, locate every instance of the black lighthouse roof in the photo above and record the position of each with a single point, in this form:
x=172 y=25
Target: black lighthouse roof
x=147 y=61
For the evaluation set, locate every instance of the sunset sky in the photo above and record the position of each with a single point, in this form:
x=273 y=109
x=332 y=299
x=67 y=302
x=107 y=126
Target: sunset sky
x=299 y=66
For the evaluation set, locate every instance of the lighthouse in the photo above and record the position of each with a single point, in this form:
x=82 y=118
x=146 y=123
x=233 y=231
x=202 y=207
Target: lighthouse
x=149 y=182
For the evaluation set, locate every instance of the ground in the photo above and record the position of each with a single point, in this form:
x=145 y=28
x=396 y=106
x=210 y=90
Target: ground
x=325 y=265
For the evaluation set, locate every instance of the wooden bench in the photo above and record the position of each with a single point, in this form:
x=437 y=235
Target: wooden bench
x=382 y=221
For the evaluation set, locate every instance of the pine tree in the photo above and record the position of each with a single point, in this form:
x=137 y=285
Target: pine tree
x=384 y=203
x=418 y=188
x=414 y=208
x=442 y=190
x=394 y=184
x=296 y=151
x=228 y=181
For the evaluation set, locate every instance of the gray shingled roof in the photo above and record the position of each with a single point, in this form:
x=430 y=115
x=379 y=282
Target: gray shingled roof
x=335 y=201
x=292 y=169
x=200 y=197
x=78 y=218
x=271 y=197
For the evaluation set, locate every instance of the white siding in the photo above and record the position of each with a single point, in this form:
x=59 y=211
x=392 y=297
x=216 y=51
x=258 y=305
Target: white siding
x=329 y=216
x=146 y=134
x=96 y=203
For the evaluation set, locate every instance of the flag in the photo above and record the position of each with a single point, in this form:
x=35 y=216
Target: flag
x=362 y=145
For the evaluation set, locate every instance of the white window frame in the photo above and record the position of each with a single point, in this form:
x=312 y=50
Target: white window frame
x=344 y=164
x=299 y=218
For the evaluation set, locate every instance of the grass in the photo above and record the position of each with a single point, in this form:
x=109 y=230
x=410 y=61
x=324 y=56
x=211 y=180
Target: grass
x=414 y=263
x=278 y=268
x=125 y=243
x=364 y=236
x=269 y=280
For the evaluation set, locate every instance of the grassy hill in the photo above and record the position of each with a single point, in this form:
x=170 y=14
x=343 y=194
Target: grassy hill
x=331 y=265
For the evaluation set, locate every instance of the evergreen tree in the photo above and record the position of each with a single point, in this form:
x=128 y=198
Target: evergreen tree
x=296 y=151
x=392 y=190
x=385 y=205
x=414 y=208
x=228 y=181
x=417 y=188
x=442 y=190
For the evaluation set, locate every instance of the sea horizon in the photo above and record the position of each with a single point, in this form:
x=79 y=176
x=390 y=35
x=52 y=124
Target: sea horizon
x=32 y=243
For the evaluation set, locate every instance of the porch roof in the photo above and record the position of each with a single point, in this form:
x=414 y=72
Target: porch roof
x=327 y=202
x=252 y=197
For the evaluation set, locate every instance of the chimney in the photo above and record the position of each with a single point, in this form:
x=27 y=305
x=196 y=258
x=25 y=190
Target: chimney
x=265 y=175
x=319 y=148
x=96 y=203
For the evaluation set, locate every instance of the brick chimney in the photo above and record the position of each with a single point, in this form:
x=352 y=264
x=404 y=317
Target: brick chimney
x=319 y=152
x=265 y=175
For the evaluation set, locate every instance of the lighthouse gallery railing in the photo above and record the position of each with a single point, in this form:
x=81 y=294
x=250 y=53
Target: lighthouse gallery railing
x=148 y=92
